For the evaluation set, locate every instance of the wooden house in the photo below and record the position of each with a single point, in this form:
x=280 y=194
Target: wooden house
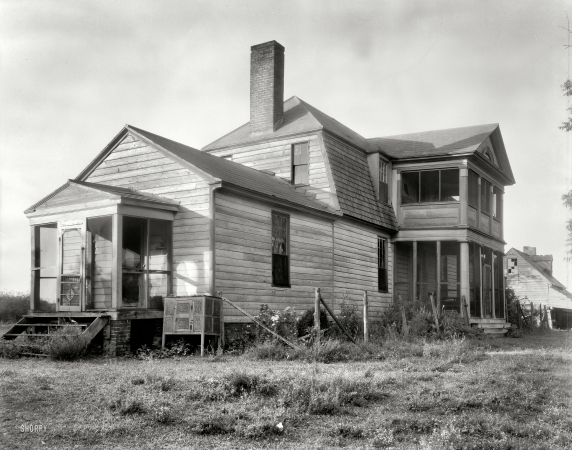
x=290 y=201
x=530 y=276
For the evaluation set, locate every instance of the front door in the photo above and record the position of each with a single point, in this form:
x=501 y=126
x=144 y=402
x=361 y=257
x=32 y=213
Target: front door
x=72 y=268
x=487 y=291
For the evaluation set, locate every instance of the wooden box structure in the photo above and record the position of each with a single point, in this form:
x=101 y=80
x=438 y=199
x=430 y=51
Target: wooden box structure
x=193 y=315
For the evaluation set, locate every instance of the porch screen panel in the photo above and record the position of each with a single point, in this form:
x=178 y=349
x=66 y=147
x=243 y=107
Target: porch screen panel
x=426 y=270
x=100 y=237
x=499 y=278
x=473 y=189
x=450 y=276
x=45 y=267
x=160 y=245
x=402 y=274
x=429 y=186
x=134 y=250
x=70 y=289
x=409 y=187
x=475 y=279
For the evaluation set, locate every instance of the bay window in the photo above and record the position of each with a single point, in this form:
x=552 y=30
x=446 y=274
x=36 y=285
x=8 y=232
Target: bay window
x=428 y=186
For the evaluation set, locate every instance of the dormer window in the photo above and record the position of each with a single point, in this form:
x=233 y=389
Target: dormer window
x=300 y=163
x=383 y=180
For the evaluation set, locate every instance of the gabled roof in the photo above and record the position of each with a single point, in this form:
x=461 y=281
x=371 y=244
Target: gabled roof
x=442 y=143
x=105 y=191
x=299 y=117
x=533 y=262
x=225 y=171
x=454 y=141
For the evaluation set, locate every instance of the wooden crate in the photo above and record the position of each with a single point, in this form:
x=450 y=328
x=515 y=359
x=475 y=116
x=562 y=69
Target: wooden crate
x=193 y=315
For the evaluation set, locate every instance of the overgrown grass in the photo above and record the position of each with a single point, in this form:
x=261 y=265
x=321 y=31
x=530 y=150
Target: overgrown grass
x=13 y=305
x=501 y=393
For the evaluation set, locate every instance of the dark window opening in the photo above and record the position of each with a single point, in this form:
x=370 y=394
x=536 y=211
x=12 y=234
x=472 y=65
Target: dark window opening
x=280 y=250
x=300 y=163
x=383 y=181
x=450 y=280
x=473 y=189
x=382 y=264
x=485 y=197
x=430 y=186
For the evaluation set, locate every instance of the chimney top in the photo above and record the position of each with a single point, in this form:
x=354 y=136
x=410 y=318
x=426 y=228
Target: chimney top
x=529 y=250
x=266 y=87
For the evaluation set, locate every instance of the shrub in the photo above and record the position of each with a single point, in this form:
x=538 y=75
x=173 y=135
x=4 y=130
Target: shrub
x=173 y=350
x=305 y=324
x=241 y=383
x=10 y=349
x=66 y=344
x=13 y=305
x=281 y=322
x=350 y=319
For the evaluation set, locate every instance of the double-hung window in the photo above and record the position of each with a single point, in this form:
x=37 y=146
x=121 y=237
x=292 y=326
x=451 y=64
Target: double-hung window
x=300 y=163
x=485 y=197
x=383 y=180
x=382 y=264
x=497 y=204
x=280 y=249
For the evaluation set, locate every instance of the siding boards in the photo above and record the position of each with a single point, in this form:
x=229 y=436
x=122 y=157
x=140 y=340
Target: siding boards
x=134 y=164
x=243 y=269
x=276 y=157
x=355 y=267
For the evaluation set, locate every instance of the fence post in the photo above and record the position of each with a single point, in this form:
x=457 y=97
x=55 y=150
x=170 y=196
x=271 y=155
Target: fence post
x=365 y=318
x=317 y=316
x=221 y=337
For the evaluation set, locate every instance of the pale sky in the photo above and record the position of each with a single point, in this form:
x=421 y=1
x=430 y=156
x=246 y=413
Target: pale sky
x=73 y=73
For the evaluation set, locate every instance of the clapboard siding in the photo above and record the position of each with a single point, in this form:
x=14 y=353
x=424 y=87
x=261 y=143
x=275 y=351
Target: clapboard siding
x=276 y=157
x=355 y=267
x=243 y=270
x=530 y=283
x=134 y=164
x=423 y=216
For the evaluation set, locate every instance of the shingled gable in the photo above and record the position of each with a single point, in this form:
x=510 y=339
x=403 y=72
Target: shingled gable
x=441 y=143
x=215 y=170
x=538 y=267
x=347 y=158
x=83 y=191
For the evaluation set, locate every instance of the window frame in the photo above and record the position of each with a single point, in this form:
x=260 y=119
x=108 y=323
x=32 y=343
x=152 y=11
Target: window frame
x=274 y=213
x=293 y=165
x=497 y=206
x=477 y=191
x=382 y=264
x=383 y=180
x=419 y=186
x=486 y=200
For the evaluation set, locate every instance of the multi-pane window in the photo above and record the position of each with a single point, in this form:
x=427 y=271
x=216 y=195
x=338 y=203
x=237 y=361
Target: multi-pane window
x=430 y=186
x=485 y=197
x=382 y=264
x=497 y=204
x=146 y=261
x=300 y=162
x=473 y=189
x=45 y=266
x=383 y=180
x=280 y=249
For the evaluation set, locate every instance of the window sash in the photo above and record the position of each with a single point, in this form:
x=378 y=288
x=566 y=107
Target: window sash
x=280 y=249
x=429 y=187
x=382 y=264
x=300 y=163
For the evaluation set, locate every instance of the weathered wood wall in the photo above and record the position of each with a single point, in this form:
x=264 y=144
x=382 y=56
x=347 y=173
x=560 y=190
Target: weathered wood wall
x=134 y=164
x=276 y=157
x=356 y=266
x=528 y=282
x=243 y=256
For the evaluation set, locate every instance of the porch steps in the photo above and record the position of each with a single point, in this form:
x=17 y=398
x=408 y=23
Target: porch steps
x=491 y=327
x=44 y=326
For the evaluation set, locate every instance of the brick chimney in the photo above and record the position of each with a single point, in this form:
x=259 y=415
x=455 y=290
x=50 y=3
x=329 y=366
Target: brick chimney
x=529 y=250
x=266 y=87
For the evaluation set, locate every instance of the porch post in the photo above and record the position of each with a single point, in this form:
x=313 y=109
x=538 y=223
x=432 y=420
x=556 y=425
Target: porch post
x=438 y=267
x=414 y=271
x=34 y=279
x=481 y=280
x=465 y=288
x=117 y=261
x=493 y=283
x=463 y=196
